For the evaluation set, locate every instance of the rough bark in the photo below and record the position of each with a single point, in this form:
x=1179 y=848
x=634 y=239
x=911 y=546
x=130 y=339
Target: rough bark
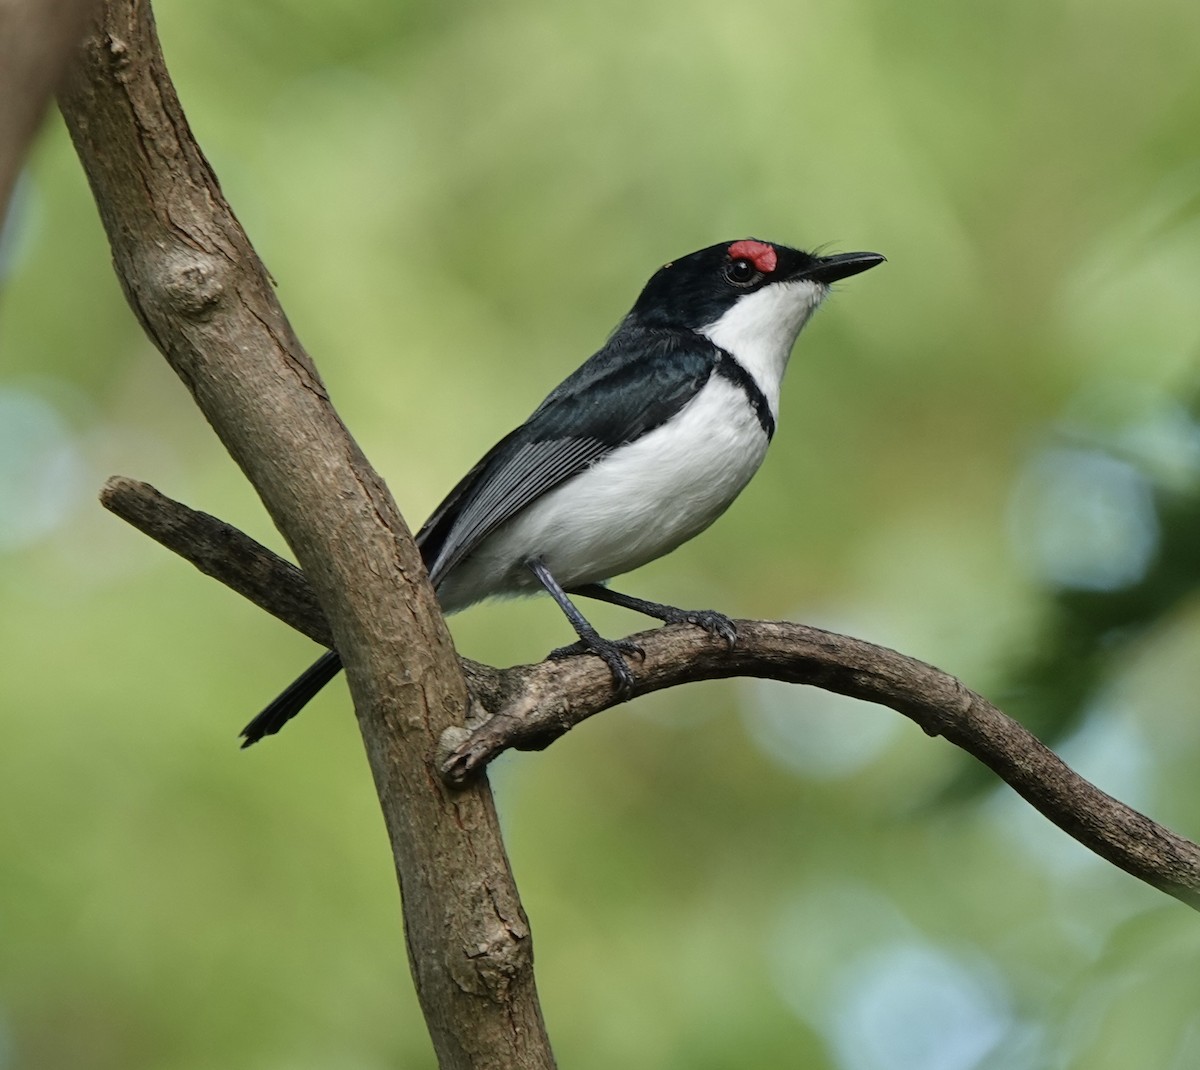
x=529 y=706
x=195 y=283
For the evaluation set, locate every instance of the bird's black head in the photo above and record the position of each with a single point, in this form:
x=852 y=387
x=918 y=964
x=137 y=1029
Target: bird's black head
x=698 y=289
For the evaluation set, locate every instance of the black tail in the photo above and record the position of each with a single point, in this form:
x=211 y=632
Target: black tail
x=294 y=699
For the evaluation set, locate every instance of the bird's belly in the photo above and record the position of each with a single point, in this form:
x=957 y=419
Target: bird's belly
x=636 y=504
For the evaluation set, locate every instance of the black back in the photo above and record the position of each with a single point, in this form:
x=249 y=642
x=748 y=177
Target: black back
x=654 y=364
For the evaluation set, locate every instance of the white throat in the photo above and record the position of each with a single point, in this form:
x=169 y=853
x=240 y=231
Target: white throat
x=760 y=330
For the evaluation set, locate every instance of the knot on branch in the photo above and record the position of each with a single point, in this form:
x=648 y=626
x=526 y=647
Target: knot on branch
x=119 y=51
x=499 y=951
x=192 y=283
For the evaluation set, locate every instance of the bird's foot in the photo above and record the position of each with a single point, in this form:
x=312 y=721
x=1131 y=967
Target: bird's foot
x=612 y=652
x=716 y=624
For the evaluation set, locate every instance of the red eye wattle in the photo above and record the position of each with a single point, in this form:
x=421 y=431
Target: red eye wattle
x=759 y=253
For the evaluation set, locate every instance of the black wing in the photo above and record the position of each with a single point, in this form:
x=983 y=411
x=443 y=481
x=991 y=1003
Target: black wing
x=637 y=382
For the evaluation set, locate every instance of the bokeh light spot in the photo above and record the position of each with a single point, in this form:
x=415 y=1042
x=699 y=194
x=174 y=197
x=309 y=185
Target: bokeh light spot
x=1084 y=520
x=41 y=472
x=917 y=1007
x=816 y=733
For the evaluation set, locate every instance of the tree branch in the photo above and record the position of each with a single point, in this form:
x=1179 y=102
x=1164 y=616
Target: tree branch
x=205 y=299
x=223 y=552
x=219 y=550
x=529 y=706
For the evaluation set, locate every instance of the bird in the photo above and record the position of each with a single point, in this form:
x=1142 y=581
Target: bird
x=633 y=454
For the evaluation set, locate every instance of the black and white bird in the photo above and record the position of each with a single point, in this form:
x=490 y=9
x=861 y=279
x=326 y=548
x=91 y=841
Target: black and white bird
x=636 y=452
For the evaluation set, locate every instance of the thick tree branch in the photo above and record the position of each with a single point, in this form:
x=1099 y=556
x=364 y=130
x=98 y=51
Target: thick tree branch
x=532 y=705
x=203 y=296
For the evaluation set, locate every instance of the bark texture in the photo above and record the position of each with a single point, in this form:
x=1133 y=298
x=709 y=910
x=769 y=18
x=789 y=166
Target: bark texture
x=195 y=283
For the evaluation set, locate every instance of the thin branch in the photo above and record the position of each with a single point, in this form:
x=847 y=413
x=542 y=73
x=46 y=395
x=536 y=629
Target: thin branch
x=222 y=551
x=532 y=705
x=201 y=293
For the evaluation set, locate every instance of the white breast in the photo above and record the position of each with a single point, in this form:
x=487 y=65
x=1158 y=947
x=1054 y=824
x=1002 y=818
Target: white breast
x=636 y=504
x=761 y=329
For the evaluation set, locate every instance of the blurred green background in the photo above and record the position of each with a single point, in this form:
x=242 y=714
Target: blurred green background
x=988 y=458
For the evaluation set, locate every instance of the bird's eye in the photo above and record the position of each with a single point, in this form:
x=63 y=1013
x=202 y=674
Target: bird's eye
x=740 y=272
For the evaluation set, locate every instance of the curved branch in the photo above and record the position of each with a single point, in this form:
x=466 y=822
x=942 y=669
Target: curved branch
x=530 y=706
x=542 y=702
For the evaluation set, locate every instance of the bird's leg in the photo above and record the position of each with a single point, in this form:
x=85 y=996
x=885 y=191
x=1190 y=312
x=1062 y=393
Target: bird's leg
x=611 y=651
x=716 y=624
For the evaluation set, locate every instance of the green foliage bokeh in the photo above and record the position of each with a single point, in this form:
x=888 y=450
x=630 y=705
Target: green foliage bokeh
x=458 y=202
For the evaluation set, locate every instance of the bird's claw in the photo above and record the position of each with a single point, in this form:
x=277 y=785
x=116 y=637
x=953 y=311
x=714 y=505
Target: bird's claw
x=613 y=653
x=587 y=646
x=716 y=624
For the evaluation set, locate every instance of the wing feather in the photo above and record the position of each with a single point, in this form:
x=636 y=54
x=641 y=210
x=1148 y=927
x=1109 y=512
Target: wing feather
x=637 y=382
